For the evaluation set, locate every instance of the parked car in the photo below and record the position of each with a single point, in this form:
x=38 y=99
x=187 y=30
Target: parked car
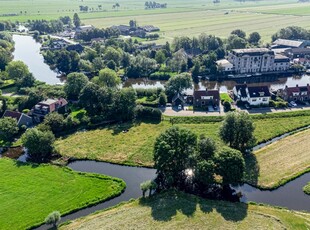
x=293 y=103
x=179 y=107
x=247 y=106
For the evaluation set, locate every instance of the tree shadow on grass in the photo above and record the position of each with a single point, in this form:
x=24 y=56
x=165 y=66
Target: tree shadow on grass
x=126 y=126
x=166 y=205
x=251 y=169
x=21 y=164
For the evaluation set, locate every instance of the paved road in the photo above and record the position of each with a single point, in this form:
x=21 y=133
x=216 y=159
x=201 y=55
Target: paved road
x=169 y=111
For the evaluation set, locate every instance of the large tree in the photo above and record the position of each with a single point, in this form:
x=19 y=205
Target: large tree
x=230 y=166
x=40 y=145
x=76 y=20
x=239 y=33
x=107 y=78
x=8 y=128
x=17 y=70
x=74 y=85
x=254 y=38
x=237 y=130
x=125 y=103
x=173 y=150
x=177 y=84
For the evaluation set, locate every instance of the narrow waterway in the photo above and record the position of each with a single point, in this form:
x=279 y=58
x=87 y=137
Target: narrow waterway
x=28 y=51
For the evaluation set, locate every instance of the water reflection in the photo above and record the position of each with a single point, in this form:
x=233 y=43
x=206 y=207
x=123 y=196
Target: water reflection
x=273 y=82
x=28 y=51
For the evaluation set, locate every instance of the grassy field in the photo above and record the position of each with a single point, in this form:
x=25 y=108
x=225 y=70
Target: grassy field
x=181 y=17
x=282 y=160
x=306 y=189
x=136 y=146
x=181 y=211
x=30 y=192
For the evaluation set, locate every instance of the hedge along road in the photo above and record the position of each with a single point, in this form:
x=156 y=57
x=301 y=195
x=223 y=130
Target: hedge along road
x=289 y=195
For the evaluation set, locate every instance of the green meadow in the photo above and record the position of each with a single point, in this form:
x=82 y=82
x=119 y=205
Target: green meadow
x=29 y=192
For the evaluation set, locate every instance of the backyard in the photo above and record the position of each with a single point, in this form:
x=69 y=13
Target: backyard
x=27 y=198
x=174 y=210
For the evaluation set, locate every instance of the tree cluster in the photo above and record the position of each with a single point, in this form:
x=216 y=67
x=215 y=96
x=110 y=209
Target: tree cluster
x=154 y=5
x=186 y=163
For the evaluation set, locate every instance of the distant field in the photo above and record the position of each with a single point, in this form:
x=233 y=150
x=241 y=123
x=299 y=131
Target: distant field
x=283 y=160
x=182 y=17
x=182 y=211
x=30 y=192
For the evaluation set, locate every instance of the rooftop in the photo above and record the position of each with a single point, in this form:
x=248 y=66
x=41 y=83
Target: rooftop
x=289 y=43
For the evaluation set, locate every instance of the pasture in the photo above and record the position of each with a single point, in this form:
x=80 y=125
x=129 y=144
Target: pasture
x=175 y=210
x=179 y=18
x=29 y=192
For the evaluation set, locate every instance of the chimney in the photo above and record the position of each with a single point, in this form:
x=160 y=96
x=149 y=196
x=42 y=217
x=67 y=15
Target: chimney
x=286 y=86
x=297 y=85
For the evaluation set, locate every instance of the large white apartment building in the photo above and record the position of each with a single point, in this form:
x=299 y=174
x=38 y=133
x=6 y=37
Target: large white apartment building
x=257 y=60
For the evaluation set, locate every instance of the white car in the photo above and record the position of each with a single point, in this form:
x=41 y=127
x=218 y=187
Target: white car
x=293 y=103
x=179 y=107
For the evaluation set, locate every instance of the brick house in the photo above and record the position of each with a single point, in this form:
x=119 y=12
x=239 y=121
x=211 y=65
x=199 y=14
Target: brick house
x=43 y=108
x=205 y=98
x=297 y=93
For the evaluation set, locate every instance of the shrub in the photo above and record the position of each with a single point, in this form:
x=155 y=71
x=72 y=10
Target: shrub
x=147 y=112
x=163 y=76
x=227 y=106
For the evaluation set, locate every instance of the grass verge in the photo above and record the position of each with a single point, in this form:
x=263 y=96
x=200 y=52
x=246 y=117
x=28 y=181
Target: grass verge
x=29 y=192
x=175 y=210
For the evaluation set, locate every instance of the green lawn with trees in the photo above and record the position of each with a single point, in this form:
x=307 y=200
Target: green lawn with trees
x=29 y=192
x=175 y=210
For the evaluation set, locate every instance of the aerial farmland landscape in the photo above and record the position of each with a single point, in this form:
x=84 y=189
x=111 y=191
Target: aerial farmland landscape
x=154 y=115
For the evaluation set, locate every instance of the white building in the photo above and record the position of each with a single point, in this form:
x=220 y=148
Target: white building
x=254 y=95
x=224 y=65
x=255 y=60
x=281 y=63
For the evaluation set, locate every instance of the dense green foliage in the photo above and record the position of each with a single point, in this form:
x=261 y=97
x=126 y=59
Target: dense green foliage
x=74 y=84
x=40 y=144
x=46 y=188
x=237 y=130
x=8 y=128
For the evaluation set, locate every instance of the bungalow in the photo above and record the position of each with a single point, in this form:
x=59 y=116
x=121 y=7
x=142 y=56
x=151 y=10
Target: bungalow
x=21 y=118
x=254 y=95
x=297 y=93
x=297 y=53
x=205 y=98
x=43 y=108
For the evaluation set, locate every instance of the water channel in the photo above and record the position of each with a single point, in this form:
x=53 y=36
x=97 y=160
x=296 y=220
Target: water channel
x=28 y=51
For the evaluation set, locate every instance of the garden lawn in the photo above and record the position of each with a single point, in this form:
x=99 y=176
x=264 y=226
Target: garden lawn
x=174 y=210
x=30 y=192
x=135 y=147
x=281 y=161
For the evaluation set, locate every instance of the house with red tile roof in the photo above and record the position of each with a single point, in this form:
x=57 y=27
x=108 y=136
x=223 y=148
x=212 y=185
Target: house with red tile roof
x=40 y=110
x=21 y=118
x=296 y=93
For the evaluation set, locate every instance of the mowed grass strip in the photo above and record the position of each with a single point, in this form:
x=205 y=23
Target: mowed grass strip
x=136 y=146
x=182 y=211
x=30 y=192
x=283 y=160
